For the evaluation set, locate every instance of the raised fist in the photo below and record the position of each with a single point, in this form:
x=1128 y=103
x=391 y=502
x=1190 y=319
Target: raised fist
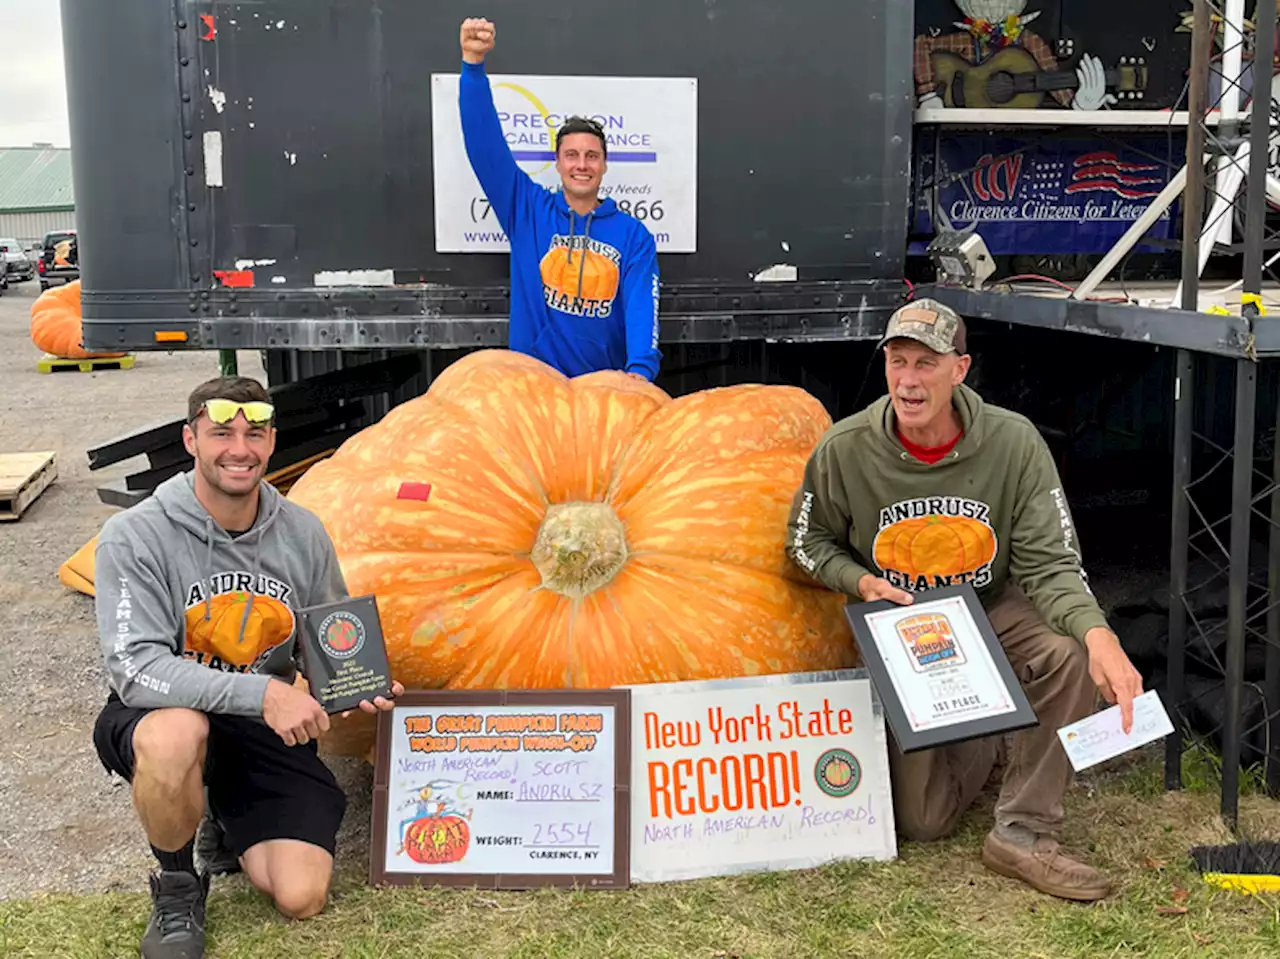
x=477 y=39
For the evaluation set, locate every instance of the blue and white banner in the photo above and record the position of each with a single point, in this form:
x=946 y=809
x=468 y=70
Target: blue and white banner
x=651 y=127
x=1033 y=195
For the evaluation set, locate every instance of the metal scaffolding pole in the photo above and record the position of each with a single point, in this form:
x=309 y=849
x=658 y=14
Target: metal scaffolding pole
x=1246 y=396
x=1238 y=583
x=1183 y=406
x=1255 y=221
x=1184 y=386
x=1259 y=154
x=1271 y=681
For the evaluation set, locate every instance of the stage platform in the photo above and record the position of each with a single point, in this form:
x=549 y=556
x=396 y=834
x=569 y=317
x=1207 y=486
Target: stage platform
x=1135 y=311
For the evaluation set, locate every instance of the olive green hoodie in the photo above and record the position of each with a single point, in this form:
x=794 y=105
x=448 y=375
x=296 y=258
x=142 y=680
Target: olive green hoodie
x=990 y=511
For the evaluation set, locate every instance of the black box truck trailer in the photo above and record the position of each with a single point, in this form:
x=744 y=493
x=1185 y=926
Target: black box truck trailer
x=263 y=175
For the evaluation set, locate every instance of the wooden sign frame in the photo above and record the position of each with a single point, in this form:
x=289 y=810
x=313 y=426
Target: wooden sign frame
x=617 y=699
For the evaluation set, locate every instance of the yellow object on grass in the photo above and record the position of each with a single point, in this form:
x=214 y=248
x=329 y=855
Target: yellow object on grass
x=77 y=571
x=1243 y=883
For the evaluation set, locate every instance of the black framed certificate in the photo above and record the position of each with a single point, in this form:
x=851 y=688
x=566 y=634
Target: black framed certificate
x=344 y=653
x=939 y=668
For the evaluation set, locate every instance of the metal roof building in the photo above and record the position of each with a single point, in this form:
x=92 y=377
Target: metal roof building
x=36 y=194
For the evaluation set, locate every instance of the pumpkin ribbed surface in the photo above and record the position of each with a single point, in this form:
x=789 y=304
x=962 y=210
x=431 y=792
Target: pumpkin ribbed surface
x=580 y=533
x=55 y=323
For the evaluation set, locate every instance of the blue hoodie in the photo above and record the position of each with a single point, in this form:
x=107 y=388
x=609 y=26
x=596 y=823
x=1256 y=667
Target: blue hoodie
x=617 y=329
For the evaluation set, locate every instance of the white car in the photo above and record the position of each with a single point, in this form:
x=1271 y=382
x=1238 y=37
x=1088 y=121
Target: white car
x=18 y=266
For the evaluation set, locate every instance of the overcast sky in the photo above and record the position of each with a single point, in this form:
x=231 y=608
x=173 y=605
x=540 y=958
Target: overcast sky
x=33 y=91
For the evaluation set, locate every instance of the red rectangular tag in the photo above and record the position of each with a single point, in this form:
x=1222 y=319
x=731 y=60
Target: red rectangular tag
x=414 y=491
x=235 y=278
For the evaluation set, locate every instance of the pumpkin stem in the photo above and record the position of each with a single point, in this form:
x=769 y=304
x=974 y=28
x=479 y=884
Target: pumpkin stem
x=579 y=548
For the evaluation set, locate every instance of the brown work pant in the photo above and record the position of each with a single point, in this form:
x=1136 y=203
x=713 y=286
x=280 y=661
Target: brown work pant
x=932 y=788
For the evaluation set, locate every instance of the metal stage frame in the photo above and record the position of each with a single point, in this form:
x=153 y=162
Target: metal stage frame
x=1221 y=540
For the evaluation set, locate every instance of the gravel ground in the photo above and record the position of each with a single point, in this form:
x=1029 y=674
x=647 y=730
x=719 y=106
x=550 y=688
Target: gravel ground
x=65 y=824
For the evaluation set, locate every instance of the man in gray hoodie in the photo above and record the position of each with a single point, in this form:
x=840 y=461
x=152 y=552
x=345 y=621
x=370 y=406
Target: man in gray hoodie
x=197 y=592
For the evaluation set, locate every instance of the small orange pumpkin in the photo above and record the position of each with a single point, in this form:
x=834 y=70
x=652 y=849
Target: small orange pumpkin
x=935 y=546
x=434 y=840
x=56 y=326
x=560 y=270
x=521 y=529
x=270 y=623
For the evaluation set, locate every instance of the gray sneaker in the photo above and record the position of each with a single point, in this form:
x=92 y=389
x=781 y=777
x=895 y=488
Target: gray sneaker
x=176 y=929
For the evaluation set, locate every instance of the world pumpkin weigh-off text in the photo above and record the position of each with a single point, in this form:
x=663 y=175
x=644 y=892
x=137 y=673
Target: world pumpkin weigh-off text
x=531 y=732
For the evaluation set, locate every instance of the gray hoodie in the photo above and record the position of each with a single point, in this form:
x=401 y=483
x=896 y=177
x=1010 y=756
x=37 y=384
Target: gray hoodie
x=189 y=616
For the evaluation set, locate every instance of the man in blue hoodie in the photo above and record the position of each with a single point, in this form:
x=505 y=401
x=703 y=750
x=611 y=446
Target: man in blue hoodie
x=197 y=589
x=584 y=274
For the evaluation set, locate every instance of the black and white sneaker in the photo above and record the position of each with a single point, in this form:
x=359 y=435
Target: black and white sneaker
x=212 y=851
x=176 y=929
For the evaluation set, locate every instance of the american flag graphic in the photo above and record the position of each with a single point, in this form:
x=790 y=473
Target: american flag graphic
x=1098 y=172
x=1104 y=172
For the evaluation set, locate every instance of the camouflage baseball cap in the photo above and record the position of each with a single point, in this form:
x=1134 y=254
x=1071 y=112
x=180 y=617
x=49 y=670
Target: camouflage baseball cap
x=929 y=322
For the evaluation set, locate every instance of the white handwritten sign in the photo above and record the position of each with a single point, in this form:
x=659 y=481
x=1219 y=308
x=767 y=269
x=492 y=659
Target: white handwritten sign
x=520 y=790
x=768 y=773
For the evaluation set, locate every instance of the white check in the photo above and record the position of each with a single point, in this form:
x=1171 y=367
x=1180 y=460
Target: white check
x=1100 y=737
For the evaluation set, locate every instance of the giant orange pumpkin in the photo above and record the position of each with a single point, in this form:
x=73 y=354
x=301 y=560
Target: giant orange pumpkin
x=935 y=546
x=521 y=529
x=55 y=323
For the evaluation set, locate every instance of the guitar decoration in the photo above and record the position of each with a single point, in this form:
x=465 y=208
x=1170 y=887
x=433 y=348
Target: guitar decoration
x=1012 y=79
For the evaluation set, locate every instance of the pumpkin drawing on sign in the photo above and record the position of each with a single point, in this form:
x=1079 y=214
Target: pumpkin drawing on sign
x=434 y=840
x=935 y=546
x=838 y=772
x=587 y=532
x=270 y=624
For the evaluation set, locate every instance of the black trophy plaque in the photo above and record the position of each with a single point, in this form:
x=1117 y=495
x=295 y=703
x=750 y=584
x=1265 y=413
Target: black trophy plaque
x=344 y=653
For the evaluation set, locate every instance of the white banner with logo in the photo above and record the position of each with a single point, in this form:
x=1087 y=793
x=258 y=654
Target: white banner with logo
x=764 y=773
x=651 y=128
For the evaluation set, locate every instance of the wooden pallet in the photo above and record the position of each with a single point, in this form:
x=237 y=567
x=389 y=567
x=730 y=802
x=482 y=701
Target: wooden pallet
x=283 y=479
x=23 y=477
x=61 y=364
x=314 y=416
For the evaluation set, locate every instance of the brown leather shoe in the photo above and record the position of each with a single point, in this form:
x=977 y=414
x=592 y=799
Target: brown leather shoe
x=1043 y=866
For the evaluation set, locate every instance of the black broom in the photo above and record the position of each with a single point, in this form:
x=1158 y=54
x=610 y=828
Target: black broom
x=1248 y=866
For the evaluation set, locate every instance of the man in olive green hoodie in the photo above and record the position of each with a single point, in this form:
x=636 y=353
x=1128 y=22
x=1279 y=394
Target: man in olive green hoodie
x=930 y=486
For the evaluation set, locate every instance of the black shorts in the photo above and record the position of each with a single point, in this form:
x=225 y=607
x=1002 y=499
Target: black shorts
x=258 y=787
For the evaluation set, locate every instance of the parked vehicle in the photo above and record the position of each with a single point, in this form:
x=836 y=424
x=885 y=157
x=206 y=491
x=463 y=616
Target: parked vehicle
x=59 y=260
x=18 y=266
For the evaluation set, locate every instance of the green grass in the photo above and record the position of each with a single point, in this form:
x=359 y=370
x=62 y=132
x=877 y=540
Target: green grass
x=935 y=902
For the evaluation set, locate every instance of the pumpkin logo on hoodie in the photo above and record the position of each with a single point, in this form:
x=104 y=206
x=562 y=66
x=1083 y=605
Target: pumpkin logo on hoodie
x=935 y=541
x=580 y=276
x=214 y=636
